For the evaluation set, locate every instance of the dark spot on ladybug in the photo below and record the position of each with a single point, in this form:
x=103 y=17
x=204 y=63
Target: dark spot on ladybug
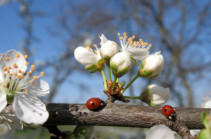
x=92 y=103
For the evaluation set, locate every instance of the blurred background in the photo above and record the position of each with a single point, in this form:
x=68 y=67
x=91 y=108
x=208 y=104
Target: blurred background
x=49 y=31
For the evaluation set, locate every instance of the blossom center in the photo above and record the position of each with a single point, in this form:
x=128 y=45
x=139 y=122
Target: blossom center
x=127 y=42
x=16 y=80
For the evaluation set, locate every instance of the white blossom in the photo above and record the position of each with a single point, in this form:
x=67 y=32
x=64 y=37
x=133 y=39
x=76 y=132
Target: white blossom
x=155 y=95
x=108 y=48
x=161 y=132
x=152 y=65
x=19 y=88
x=91 y=59
x=130 y=49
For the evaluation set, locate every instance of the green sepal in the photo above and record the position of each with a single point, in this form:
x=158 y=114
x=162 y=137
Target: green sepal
x=134 y=61
x=107 y=60
x=91 y=68
x=10 y=97
x=204 y=134
x=95 y=67
x=145 y=73
x=122 y=84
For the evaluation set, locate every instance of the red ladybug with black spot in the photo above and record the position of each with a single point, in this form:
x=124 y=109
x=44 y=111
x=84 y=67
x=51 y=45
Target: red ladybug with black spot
x=95 y=104
x=169 y=112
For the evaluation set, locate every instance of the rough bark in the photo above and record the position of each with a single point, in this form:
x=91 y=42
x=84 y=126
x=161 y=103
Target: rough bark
x=121 y=115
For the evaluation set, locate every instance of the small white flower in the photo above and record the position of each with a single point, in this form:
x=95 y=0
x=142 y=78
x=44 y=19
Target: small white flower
x=92 y=60
x=22 y=90
x=130 y=49
x=152 y=65
x=207 y=104
x=155 y=95
x=108 y=48
x=161 y=132
x=120 y=64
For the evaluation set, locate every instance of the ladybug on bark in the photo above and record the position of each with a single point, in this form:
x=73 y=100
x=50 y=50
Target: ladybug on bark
x=95 y=104
x=169 y=112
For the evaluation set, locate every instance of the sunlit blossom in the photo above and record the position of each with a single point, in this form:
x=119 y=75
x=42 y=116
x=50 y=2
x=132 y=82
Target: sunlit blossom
x=152 y=65
x=130 y=50
x=108 y=48
x=161 y=132
x=90 y=58
x=155 y=95
x=19 y=88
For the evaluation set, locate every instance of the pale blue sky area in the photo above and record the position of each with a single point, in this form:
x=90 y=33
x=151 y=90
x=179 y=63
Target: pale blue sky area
x=11 y=37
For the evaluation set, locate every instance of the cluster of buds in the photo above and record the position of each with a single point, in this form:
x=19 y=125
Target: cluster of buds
x=119 y=59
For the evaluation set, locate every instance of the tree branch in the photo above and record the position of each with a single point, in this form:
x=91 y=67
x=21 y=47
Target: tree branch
x=121 y=115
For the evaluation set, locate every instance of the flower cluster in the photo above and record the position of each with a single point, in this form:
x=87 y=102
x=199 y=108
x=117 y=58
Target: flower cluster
x=20 y=89
x=119 y=59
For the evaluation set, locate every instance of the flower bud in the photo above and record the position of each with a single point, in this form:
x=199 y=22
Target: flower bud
x=161 y=132
x=152 y=65
x=108 y=48
x=120 y=64
x=155 y=95
x=90 y=59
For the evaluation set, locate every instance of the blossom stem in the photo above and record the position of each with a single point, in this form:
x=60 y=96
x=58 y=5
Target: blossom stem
x=136 y=77
x=114 y=83
x=109 y=73
x=132 y=97
x=104 y=79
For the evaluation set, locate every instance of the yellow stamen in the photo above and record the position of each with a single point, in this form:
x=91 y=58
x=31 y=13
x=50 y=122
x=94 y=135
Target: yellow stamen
x=25 y=56
x=95 y=45
x=15 y=66
x=2 y=55
x=32 y=66
x=34 y=77
x=31 y=82
x=19 y=71
x=26 y=90
x=42 y=73
x=32 y=70
x=29 y=73
x=27 y=63
x=17 y=55
x=5 y=68
x=9 y=67
x=118 y=34
x=7 y=59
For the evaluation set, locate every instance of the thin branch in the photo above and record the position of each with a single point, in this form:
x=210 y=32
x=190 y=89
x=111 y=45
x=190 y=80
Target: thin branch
x=120 y=115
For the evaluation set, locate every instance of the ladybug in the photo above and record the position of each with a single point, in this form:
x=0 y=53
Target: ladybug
x=169 y=112
x=94 y=104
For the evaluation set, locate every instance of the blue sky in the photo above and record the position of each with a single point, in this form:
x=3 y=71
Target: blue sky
x=11 y=37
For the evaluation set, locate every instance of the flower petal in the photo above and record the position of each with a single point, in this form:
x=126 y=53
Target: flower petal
x=103 y=38
x=39 y=87
x=30 y=109
x=4 y=129
x=3 y=100
x=14 y=60
x=161 y=132
x=138 y=53
x=85 y=56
